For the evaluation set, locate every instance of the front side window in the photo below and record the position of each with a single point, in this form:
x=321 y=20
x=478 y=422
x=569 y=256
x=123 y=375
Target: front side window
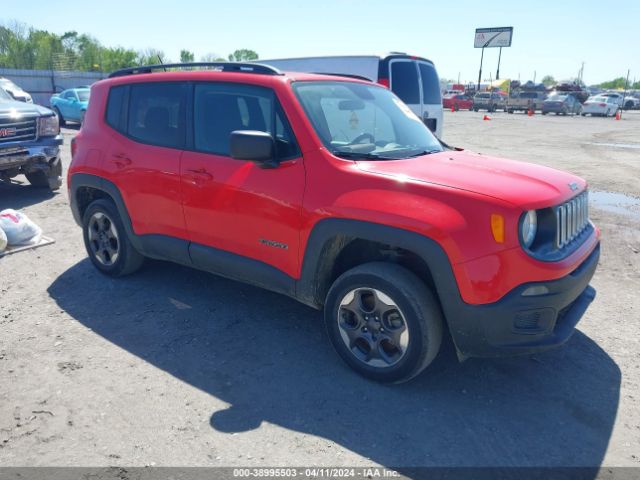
x=220 y=109
x=357 y=120
x=404 y=81
x=157 y=113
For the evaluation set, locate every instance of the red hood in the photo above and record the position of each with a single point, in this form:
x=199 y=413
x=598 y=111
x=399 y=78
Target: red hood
x=523 y=184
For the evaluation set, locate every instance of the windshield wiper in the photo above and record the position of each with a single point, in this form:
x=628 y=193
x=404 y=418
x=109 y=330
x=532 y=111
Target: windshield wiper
x=361 y=155
x=424 y=152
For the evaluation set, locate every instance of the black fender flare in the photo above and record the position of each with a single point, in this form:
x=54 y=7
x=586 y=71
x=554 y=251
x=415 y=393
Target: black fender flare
x=328 y=236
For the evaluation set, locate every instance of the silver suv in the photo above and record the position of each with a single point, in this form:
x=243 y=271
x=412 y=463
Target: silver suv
x=489 y=101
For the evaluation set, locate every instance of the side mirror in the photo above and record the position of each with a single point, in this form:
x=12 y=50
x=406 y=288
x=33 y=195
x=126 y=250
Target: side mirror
x=254 y=146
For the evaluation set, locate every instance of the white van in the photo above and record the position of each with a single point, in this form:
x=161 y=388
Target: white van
x=413 y=79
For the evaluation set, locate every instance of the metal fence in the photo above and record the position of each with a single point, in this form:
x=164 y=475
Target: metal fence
x=41 y=84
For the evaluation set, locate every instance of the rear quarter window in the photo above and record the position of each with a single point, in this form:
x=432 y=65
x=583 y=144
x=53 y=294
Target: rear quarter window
x=115 y=108
x=430 y=83
x=404 y=81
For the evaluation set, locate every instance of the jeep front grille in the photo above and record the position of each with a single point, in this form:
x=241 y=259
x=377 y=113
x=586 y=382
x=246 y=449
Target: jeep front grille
x=572 y=218
x=17 y=129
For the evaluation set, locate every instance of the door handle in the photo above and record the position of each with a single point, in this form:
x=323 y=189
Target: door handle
x=199 y=175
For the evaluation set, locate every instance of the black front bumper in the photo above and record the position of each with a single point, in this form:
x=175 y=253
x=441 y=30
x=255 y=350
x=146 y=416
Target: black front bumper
x=523 y=324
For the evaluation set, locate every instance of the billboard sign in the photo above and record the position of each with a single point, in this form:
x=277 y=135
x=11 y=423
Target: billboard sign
x=493 y=37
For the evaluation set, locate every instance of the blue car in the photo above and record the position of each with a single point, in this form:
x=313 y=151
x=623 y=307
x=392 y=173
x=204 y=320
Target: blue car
x=71 y=104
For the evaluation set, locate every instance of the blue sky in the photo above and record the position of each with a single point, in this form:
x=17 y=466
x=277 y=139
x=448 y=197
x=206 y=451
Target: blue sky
x=550 y=37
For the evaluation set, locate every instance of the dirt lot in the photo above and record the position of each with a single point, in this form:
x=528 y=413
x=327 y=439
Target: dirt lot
x=177 y=367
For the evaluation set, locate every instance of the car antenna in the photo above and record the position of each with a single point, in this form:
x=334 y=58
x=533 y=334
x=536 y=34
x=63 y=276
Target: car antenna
x=161 y=62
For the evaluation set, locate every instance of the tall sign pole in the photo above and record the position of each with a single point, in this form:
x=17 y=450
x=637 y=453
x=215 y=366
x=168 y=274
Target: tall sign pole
x=480 y=72
x=492 y=37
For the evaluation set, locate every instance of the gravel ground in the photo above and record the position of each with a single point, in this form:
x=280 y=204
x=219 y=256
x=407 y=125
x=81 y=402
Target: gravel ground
x=175 y=367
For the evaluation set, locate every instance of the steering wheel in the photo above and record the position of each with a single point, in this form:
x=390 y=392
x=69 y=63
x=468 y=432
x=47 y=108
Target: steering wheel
x=361 y=137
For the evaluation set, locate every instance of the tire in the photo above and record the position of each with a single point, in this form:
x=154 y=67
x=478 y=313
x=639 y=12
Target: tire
x=51 y=179
x=456 y=107
x=106 y=240
x=61 y=119
x=414 y=312
x=544 y=113
x=82 y=114
x=510 y=111
x=475 y=109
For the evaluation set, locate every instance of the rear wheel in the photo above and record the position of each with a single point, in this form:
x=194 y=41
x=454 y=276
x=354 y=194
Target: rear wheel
x=106 y=240
x=383 y=321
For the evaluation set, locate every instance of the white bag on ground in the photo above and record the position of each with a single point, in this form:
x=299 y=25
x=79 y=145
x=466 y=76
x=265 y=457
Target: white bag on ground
x=19 y=229
x=3 y=240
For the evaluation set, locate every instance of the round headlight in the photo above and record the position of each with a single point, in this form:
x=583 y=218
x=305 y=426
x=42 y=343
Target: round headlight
x=529 y=227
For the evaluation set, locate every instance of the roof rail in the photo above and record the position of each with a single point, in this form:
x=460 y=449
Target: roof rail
x=216 y=66
x=348 y=75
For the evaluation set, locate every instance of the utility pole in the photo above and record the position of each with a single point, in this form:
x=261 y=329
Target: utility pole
x=534 y=76
x=626 y=85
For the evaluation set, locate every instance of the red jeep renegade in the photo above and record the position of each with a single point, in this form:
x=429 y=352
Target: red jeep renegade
x=330 y=190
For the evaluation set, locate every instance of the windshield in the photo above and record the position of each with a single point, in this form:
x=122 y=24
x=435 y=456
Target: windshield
x=557 y=98
x=4 y=95
x=83 y=95
x=356 y=120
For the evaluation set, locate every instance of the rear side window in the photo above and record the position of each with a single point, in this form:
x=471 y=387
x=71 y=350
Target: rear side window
x=404 y=81
x=430 y=83
x=219 y=109
x=157 y=114
x=115 y=107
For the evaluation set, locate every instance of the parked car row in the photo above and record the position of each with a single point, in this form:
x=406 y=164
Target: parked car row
x=561 y=102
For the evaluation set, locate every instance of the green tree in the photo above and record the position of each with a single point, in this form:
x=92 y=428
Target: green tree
x=212 y=57
x=616 y=83
x=186 y=56
x=243 y=55
x=548 y=80
x=151 y=56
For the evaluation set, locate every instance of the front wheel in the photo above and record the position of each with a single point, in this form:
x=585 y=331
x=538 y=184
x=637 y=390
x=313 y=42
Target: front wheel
x=106 y=241
x=383 y=321
x=51 y=179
